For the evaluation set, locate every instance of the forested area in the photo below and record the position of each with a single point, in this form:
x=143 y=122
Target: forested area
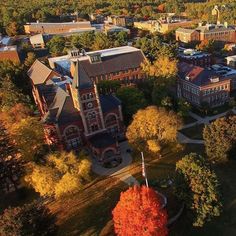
x=13 y=14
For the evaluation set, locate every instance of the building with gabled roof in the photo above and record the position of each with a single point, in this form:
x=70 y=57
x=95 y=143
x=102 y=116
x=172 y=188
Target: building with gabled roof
x=74 y=114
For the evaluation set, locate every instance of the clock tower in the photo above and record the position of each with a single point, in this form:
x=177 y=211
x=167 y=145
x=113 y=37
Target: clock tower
x=86 y=100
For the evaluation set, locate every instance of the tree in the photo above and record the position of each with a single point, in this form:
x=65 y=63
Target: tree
x=197 y=185
x=56 y=45
x=129 y=97
x=220 y=138
x=32 y=219
x=84 y=40
x=101 y=41
x=31 y=57
x=28 y=136
x=108 y=86
x=63 y=174
x=183 y=107
x=153 y=123
x=206 y=46
x=10 y=95
x=164 y=67
x=139 y=212
x=13 y=28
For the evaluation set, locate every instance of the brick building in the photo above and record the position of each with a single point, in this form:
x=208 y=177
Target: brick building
x=121 y=63
x=194 y=57
x=73 y=112
x=9 y=53
x=219 y=32
x=204 y=85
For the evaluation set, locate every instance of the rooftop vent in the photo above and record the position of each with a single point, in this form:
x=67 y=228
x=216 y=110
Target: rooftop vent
x=95 y=57
x=214 y=79
x=187 y=78
x=74 y=53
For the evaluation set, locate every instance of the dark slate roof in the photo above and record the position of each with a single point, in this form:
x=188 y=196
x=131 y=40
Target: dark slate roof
x=62 y=109
x=81 y=79
x=38 y=72
x=109 y=102
x=102 y=140
x=115 y=63
x=197 y=75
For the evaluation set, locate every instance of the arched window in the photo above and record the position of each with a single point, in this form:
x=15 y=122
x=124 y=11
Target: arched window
x=92 y=115
x=110 y=120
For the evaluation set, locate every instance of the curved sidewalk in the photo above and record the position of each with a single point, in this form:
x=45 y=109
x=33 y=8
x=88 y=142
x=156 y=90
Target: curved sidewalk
x=121 y=171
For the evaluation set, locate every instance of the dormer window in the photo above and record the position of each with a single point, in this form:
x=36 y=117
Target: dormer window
x=95 y=57
x=74 y=53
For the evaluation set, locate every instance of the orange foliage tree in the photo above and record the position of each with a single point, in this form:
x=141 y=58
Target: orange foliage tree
x=139 y=213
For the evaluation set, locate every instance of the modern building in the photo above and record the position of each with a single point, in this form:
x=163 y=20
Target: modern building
x=123 y=21
x=61 y=28
x=217 y=32
x=194 y=57
x=201 y=86
x=74 y=114
x=9 y=53
x=121 y=63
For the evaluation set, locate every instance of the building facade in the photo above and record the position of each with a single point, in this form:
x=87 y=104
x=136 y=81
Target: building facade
x=194 y=57
x=221 y=33
x=58 y=28
x=123 y=21
x=74 y=114
x=123 y=64
x=203 y=86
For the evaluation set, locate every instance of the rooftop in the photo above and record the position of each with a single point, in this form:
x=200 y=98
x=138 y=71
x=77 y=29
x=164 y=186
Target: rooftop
x=8 y=48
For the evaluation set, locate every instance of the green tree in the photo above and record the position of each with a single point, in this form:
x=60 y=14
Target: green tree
x=197 y=185
x=129 y=97
x=101 y=41
x=56 y=45
x=220 y=138
x=183 y=107
x=108 y=86
x=31 y=57
x=29 y=220
x=13 y=28
x=84 y=40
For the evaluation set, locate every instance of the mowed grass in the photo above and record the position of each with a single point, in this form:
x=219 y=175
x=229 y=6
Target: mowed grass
x=194 y=132
x=87 y=213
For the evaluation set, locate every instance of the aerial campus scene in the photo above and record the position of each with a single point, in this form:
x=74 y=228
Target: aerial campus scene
x=118 y=118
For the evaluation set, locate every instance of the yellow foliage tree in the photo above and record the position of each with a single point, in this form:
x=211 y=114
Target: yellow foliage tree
x=28 y=136
x=43 y=179
x=153 y=146
x=68 y=184
x=63 y=174
x=164 y=67
x=153 y=123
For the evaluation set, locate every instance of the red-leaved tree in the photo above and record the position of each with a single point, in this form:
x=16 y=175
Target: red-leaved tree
x=139 y=213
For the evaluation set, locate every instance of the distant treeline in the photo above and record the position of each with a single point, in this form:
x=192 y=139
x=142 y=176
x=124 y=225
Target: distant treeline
x=14 y=14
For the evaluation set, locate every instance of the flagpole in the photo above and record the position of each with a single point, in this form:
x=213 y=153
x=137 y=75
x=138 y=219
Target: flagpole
x=144 y=170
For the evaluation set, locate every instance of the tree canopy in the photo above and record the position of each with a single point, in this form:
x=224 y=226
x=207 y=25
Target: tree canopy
x=63 y=174
x=29 y=220
x=197 y=185
x=153 y=123
x=220 y=138
x=139 y=210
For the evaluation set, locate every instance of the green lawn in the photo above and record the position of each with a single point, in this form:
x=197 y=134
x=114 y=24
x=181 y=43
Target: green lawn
x=194 y=132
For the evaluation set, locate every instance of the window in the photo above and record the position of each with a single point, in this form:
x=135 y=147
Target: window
x=92 y=115
x=111 y=119
x=94 y=127
x=71 y=131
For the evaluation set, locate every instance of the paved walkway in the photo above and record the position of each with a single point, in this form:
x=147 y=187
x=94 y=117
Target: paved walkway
x=199 y=120
x=121 y=171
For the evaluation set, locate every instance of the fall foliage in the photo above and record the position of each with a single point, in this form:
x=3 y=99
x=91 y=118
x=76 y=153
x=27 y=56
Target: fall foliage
x=63 y=174
x=139 y=212
x=153 y=123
